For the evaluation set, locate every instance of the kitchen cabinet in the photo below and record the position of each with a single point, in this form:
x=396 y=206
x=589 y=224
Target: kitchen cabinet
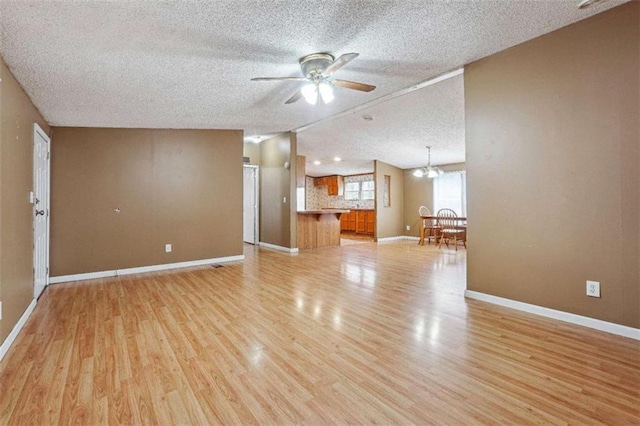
x=320 y=181
x=365 y=220
x=348 y=221
x=358 y=221
x=334 y=184
x=370 y=222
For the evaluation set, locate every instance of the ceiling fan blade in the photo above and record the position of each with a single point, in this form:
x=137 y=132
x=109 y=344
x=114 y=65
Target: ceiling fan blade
x=339 y=63
x=279 y=79
x=295 y=98
x=353 y=85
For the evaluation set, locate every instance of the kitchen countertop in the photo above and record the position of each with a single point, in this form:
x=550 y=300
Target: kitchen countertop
x=323 y=211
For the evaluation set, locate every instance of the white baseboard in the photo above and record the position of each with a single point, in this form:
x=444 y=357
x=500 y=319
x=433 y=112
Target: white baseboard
x=141 y=269
x=397 y=238
x=609 y=327
x=279 y=248
x=4 y=348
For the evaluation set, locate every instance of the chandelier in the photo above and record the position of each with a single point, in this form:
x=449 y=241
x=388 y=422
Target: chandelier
x=429 y=171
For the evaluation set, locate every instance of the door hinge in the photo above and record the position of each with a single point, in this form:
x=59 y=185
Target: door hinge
x=48 y=155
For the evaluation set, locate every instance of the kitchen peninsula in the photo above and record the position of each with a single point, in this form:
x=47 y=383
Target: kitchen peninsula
x=319 y=228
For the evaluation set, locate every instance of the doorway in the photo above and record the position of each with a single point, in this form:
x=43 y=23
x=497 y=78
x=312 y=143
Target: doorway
x=250 y=223
x=40 y=200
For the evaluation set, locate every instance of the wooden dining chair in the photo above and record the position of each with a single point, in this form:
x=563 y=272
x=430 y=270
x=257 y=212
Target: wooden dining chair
x=429 y=227
x=449 y=229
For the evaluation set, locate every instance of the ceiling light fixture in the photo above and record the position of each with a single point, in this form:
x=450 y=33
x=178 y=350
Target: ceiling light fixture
x=336 y=159
x=316 y=163
x=428 y=171
x=310 y=93
x=324 y=88
x=326 y=92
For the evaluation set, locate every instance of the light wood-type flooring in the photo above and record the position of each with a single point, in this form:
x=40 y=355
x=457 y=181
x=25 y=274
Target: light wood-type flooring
x=360 y=334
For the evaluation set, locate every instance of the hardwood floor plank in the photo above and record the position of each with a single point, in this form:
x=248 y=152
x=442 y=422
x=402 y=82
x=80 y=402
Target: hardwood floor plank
x=365 y=333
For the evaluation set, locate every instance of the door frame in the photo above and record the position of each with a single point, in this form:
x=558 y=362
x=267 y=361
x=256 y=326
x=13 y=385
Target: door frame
x=37 y=131
x=256 y=223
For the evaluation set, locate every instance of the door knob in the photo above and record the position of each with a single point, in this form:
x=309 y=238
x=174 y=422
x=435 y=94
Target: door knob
x=39 y=212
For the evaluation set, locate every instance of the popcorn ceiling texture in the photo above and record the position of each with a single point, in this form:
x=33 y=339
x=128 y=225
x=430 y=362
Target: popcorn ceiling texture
x=398 y=134
x=150 y=64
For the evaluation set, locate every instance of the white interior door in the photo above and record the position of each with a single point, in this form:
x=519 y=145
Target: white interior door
x=250 y=205
x=41 y=162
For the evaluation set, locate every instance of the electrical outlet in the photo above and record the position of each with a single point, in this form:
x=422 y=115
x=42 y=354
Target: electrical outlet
x=408 y=228
x=593 y=288
x=167 y=248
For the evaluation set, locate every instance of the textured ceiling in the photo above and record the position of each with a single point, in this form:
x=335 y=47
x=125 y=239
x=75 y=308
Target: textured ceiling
x=189 y=64
x=432 y=116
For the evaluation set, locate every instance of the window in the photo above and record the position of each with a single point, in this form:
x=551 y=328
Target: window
x=450 y=192
x=352 y=191
x=364 y=190
x=368 y=190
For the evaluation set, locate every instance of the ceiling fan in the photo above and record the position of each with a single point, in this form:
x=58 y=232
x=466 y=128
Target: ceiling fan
x=318 y=68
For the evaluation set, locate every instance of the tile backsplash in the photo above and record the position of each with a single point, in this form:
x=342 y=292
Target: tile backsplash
x=318 y=197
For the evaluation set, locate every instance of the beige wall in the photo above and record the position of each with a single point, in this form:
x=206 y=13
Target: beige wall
x=552 y=169
x=252 y=150
x=419 y=192
x=179 y=187
x=278 y=219
x=293 y=190
x=389 y=220
x=17 y=115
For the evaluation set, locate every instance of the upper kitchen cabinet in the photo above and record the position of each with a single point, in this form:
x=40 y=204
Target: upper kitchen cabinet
x=334 y=184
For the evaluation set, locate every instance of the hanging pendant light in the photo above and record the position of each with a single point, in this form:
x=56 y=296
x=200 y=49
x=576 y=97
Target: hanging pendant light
x=429 y=171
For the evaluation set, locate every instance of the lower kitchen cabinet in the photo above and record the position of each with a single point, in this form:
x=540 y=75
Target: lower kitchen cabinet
x=358 y=221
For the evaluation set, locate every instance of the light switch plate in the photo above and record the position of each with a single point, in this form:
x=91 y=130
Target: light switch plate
x=167 y=248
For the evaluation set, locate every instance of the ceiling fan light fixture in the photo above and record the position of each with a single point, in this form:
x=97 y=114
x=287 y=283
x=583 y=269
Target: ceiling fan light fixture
x=317 y=72
x=419 y=173
x=326 y=92
x=310 y=93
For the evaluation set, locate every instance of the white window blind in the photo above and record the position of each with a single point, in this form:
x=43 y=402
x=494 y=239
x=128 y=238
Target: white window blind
x=450 y=192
